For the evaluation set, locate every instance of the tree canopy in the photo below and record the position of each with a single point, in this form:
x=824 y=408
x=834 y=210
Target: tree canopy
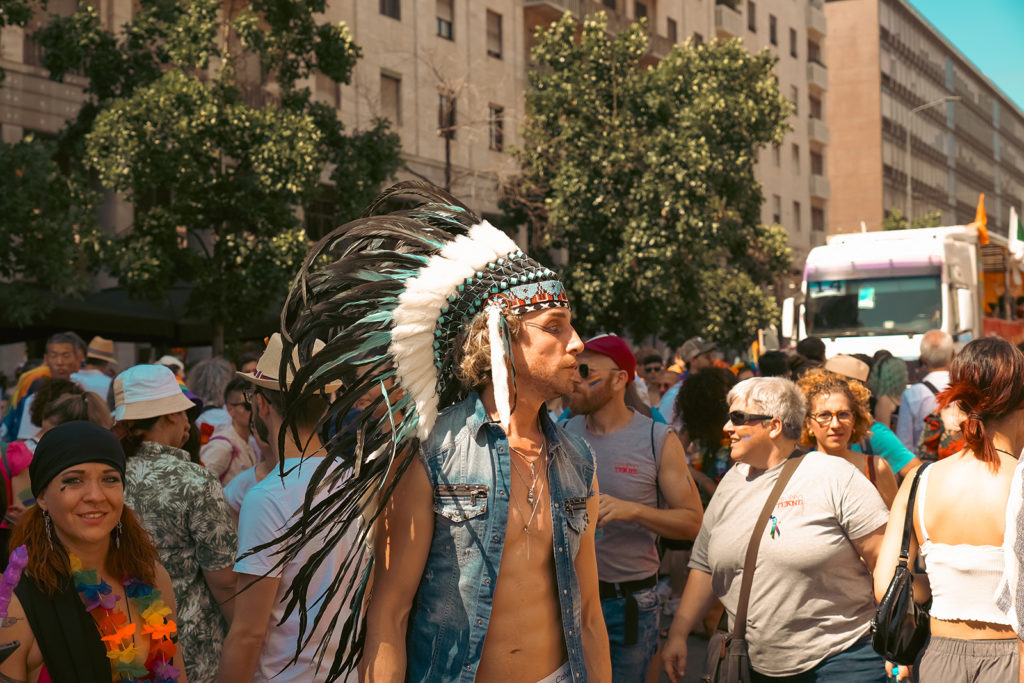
x=645 y=176
x=895 y=220
x=215 y=159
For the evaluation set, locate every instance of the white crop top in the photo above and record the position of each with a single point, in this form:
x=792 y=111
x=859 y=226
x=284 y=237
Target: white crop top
x=963 y=577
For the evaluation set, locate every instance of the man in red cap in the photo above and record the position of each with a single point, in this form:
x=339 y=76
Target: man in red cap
x=646 y=492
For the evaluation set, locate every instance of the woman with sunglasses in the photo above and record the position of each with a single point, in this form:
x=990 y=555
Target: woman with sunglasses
x=960 y=518
x=811 y=602
x=838 y=415
x=228 y=453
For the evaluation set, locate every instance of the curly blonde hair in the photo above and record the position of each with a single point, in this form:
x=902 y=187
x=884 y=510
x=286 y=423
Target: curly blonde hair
x=821 y=382
x=473 y=361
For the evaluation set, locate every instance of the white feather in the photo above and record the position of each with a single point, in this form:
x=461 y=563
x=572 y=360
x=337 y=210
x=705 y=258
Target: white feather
x=419 y=307
x=499 y=371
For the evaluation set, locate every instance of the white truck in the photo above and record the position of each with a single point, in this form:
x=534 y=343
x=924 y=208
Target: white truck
x=883 y=290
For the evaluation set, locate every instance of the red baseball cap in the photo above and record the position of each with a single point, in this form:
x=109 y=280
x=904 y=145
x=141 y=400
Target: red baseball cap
x=615 y=348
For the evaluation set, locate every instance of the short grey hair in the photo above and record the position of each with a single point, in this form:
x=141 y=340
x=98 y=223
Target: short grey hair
x=208 y=379
x=775 y=396
x=936 y=349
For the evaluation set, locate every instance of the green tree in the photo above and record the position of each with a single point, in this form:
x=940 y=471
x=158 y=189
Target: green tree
x=895 y=220
x=14 y=13
x=49 y=241
x=646 y=176
x=215 y=174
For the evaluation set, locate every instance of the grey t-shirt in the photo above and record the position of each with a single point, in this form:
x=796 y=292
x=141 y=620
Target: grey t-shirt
x=812 y=595
x=627 y=468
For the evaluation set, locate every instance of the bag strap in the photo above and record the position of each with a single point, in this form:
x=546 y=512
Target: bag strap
x=931 y=387
x=908 y=522
x=739 y=628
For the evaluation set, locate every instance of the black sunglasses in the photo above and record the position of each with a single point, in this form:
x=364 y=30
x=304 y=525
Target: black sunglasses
x=741 y=417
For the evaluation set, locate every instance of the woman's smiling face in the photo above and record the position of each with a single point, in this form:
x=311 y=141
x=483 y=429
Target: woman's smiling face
x=85 y=503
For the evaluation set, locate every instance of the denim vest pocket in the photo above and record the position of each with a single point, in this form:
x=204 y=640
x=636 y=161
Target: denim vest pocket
x=577 y=518
x=459 y=502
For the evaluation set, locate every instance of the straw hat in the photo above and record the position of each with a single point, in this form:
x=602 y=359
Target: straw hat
x=848 y=366
x=269 y=364
x=101 y=349
x=147 y=391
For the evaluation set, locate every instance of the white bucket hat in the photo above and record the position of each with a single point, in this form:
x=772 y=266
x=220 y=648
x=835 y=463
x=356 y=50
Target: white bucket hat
x=269 y=364
x=144 y=391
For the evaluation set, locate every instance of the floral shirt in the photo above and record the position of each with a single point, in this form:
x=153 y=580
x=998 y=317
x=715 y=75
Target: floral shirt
x=182 y=505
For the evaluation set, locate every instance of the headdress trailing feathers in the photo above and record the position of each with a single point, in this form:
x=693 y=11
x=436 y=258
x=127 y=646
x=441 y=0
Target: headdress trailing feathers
x=391 y=296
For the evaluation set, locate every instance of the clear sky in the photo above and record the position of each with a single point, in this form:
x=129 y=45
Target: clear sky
x=987 y=32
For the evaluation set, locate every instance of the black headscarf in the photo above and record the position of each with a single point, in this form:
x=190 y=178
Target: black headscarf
x=69 y=444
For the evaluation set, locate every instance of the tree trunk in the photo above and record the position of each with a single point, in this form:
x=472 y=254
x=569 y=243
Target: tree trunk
x=218 y=339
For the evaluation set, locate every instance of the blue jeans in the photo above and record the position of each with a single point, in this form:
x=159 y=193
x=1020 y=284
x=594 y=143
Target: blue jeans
x=630 y=662
x=858 y=663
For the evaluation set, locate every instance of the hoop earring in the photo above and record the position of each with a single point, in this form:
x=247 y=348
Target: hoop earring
x=48 y=523
x=117 y=535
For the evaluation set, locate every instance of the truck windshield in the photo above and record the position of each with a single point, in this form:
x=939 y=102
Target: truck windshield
x=890 y=305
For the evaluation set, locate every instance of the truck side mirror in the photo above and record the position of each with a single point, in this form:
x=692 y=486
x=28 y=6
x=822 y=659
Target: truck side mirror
x=965 y=306
x=786 y=328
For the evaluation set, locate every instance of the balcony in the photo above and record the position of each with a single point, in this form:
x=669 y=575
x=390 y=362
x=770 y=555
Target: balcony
x=544 y=12
x=817 y=131
x=815 y=19
x=728 y=22
x=817 y=76
x=819 y=186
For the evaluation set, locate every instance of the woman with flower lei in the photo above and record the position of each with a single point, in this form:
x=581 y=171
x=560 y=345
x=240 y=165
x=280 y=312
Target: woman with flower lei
x=93 y=605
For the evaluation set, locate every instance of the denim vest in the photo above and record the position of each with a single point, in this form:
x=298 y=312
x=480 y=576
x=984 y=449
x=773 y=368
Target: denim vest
x=467 y=462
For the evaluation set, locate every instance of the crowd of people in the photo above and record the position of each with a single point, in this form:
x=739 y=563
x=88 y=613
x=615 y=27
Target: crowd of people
x=430 y=476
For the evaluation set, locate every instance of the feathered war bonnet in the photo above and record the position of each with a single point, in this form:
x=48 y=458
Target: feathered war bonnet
x=392 y=297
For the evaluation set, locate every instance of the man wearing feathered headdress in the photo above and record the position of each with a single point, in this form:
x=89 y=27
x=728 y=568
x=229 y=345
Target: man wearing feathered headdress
x=483 y=511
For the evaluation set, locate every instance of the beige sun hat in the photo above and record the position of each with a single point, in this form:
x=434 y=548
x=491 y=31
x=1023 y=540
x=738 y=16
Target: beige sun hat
x=101 y=349
x=269 y=364
x=144 y=391
x=848 y=366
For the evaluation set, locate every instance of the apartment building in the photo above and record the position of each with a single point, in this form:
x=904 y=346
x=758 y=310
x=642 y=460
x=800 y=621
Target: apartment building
x=419 y=57
x=915 y=125
x=451 y=76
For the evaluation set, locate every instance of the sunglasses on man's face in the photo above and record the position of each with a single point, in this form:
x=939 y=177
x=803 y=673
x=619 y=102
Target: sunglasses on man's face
x=652 y=368
x=586 y=371
x=741 y=417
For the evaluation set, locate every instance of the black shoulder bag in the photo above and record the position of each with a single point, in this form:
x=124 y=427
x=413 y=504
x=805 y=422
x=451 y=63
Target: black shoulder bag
x=901 y=625
x=727 y=659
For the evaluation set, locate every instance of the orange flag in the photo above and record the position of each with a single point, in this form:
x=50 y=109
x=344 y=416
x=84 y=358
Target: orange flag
x=981 y=221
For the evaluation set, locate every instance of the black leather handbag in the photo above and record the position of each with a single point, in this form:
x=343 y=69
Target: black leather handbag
x=727 y=660
x=901 y=625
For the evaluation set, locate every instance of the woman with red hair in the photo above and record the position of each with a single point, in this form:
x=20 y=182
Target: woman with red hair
x=959 y=522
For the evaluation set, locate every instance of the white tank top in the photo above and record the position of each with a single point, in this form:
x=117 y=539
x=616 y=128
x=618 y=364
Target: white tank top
x=963 y=577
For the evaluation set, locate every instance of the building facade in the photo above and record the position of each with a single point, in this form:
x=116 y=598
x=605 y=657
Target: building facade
x=915 y=125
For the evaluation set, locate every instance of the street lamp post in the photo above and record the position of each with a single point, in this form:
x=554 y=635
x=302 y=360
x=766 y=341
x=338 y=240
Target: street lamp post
x=915 y=110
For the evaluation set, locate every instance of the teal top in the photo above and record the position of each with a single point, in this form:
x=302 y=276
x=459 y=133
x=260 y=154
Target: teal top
x=881 y=441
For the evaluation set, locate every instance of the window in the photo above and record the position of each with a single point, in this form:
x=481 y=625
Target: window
x=773 y=30
x=445 y=17
x=751 y=17
x=792 y=42
x=697 y=39
x=673 y=32
x=640 y=10
x=817 y=219
x=817 y=163
x=496 y=120
x=609 y=4
x=391 y=98
x=493 y=34
x=794 y=97
x=814 y=52
x=319 y=213
x=796 y=158
x=776 y=209
x=815 y=107
x=777 y=154
x=796 y=216
x=391 y=8
x=446 y=116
